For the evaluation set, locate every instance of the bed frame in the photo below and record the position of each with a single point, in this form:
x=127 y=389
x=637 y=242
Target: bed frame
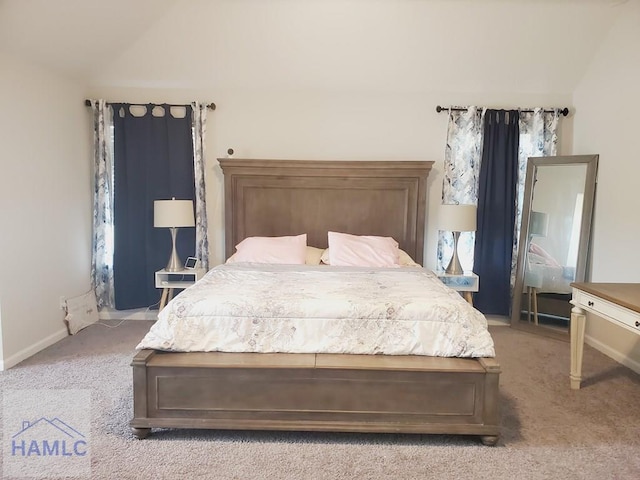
x=319 y=392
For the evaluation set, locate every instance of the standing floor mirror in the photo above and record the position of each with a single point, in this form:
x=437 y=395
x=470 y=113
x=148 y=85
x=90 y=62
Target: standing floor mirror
x=554 y=241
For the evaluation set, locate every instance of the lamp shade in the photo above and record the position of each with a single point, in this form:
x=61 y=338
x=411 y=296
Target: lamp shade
x=173 y=213
x=457 y=218
x=539 y=224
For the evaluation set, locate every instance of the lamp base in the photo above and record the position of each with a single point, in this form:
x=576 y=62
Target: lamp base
x=174 y=265
x=454 y=267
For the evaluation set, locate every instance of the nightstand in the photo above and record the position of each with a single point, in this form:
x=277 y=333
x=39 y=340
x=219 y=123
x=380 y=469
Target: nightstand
x=167 y=281
x=466 y=284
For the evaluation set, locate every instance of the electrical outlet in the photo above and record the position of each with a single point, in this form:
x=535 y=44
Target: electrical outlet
x=63 y=303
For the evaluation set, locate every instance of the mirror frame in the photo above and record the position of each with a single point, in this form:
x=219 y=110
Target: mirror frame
x=591 y=161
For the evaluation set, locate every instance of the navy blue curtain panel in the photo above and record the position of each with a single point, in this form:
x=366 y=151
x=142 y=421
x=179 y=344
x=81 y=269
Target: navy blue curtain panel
x=496 y=211
x=153 y=160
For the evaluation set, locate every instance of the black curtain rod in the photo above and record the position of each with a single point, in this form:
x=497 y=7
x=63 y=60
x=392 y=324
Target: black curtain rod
x=564 y=111
x=210 y=106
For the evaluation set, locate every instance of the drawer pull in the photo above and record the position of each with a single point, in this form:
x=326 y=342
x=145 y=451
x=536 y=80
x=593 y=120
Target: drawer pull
x=590 y=303
x=637 y=323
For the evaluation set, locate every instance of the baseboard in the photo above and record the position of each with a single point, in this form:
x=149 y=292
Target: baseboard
x=33 y=349
x=137 y=314
x=498 y=320
x=614 y=354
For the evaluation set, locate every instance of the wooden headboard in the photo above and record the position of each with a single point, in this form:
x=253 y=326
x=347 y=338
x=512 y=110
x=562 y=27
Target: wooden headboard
x=291 y=197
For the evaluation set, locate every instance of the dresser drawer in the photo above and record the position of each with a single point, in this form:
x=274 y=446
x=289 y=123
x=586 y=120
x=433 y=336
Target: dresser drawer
x=608 y=310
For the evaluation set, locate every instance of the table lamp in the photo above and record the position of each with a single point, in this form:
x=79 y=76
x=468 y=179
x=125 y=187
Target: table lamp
x=538 y=224
x=456 y=219
x=173 y=214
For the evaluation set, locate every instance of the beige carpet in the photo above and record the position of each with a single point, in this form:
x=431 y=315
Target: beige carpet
x=549 y=431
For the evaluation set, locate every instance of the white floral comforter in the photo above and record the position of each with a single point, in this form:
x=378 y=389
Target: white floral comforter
x=306 y=309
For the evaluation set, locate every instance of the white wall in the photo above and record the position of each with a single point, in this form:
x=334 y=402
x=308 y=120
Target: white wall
x=351 y=80
x=325 y=126
x=607 y=104
x=45 y=205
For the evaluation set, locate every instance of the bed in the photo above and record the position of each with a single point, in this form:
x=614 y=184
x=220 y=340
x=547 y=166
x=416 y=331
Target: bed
x=328 y=391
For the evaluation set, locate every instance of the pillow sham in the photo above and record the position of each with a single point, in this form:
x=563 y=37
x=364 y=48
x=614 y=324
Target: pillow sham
x=362 y=250
x=313 y=255
x=536 y=249
x=407 y=261
x=290 y=250
x=404 y=259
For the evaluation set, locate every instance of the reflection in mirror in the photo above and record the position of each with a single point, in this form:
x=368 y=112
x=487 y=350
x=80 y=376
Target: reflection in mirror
x=556 y=220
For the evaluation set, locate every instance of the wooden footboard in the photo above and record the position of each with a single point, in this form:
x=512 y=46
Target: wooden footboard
x=316 y=392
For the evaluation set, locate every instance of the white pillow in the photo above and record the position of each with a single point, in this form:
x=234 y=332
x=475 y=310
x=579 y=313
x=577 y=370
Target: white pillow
x=81 y=311
x=291 y=250
x=363 y=250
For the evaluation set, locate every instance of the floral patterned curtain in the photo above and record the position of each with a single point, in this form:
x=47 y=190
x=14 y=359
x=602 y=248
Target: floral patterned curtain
x=463 y=155
x=538 y=138
x=462 y=158
x=102 y=244
x=199 y=131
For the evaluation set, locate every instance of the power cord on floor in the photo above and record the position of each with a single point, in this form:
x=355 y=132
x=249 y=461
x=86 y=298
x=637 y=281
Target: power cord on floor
x=151 y=306
x=148 y=309
x=111 y=326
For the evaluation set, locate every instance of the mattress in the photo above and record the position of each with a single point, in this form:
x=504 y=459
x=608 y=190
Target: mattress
x=321 y=309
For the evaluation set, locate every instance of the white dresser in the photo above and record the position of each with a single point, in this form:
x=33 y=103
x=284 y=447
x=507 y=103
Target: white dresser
x=618 y=303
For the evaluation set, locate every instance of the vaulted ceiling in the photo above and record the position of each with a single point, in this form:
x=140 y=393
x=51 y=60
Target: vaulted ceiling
x=75 y=36
x=451 y=45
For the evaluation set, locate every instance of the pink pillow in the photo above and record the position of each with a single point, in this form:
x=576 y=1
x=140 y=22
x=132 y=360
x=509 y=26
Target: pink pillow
x=538 y=250
x=283 y=250
x=405 y=259
x=363 y=251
